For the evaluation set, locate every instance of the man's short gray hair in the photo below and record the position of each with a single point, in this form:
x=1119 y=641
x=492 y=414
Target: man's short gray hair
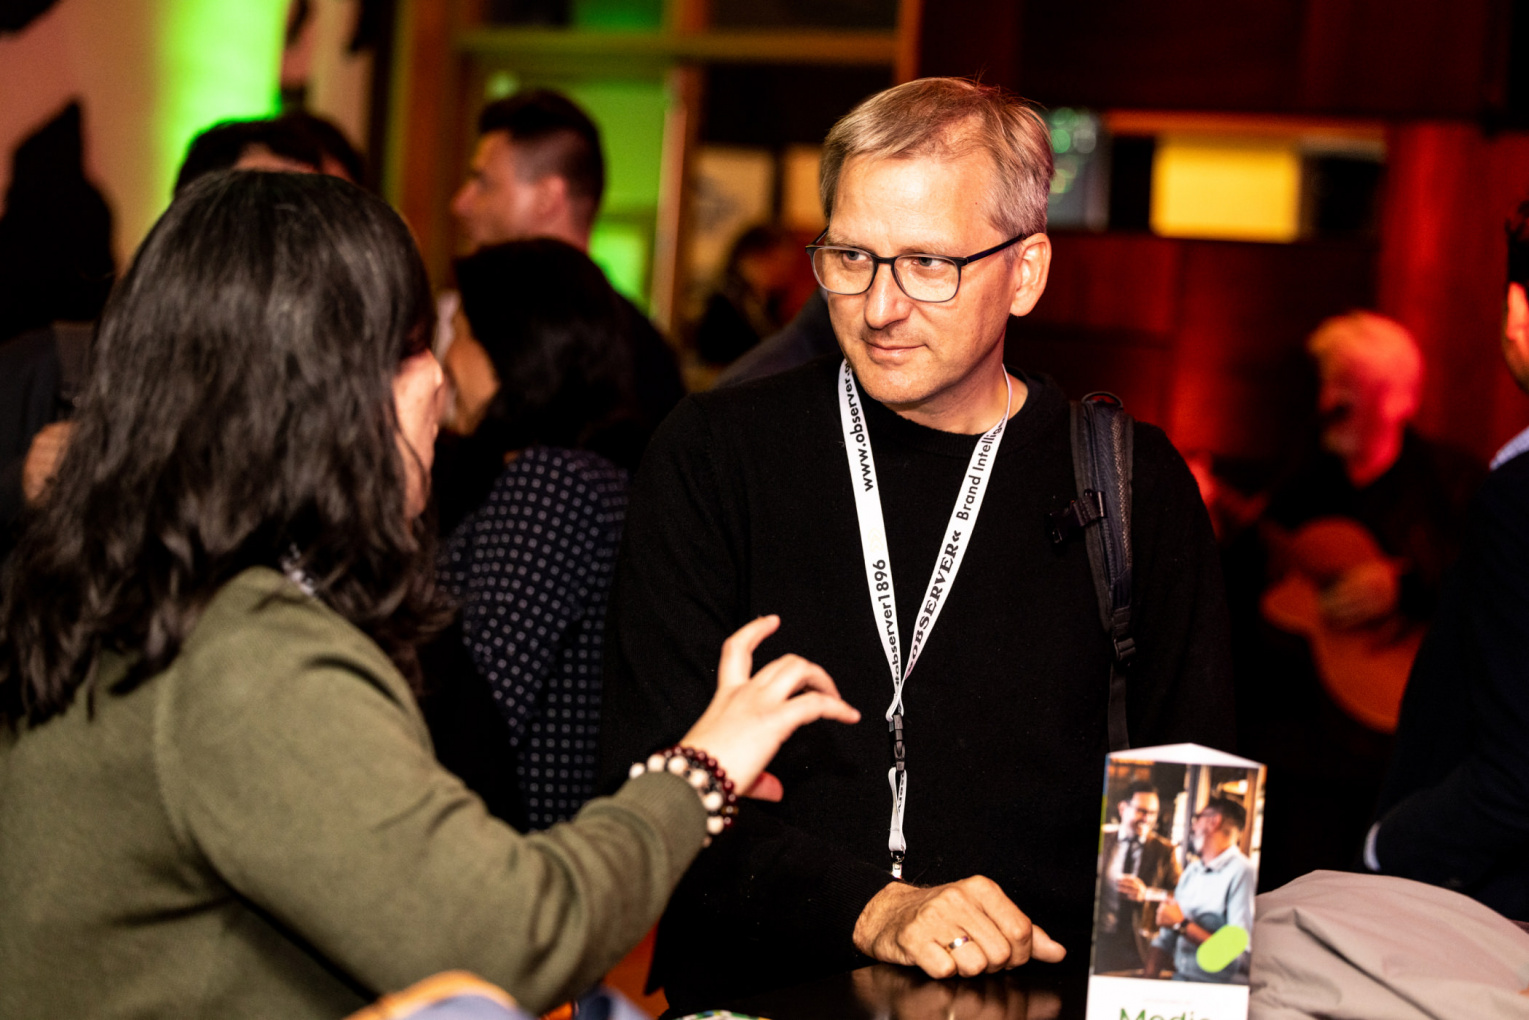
x=946 y=118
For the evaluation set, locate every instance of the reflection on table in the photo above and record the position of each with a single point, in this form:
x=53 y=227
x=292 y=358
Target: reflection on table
x=885 y=992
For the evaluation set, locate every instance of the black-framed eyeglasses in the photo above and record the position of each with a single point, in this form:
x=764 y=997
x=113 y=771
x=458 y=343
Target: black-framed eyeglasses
x=930 y=278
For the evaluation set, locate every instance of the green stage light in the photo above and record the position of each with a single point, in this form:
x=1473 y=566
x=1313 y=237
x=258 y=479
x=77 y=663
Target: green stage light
x=218 y=60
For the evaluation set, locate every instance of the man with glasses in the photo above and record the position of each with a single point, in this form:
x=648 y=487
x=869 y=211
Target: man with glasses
x=1216 y=890
x=1139 y=870
x=891 y=506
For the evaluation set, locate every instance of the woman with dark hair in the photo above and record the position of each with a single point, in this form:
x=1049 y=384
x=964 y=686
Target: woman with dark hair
x=217 y=796
x=543 y=361
x=541 y=376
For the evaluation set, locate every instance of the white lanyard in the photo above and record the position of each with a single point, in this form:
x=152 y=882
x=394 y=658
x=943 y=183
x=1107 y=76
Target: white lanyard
x=878 y=569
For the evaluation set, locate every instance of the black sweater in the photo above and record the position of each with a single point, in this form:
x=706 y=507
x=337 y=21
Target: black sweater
x=1455 y=811
x=743 y=506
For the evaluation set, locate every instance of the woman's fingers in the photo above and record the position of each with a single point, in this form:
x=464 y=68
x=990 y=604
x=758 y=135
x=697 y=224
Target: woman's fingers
x=749 y=718
x=791 y=674
x=737 y=661
x=806 y=708
x=791 y=678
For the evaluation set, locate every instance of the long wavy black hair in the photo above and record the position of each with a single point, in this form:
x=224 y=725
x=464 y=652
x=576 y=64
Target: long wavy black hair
x=239 y=412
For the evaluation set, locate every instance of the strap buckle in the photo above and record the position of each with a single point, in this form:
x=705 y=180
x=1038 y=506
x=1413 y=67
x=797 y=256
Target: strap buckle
x=1077 y=515
x=1125 y=649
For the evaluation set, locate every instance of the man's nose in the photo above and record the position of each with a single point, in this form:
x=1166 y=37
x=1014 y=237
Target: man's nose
x=885 y=302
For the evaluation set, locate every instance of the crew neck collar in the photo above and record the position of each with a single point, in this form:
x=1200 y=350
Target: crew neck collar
x=1222 y=859
x=1042 y=402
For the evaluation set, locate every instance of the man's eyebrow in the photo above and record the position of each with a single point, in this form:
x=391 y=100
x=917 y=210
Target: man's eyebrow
x=924 y=248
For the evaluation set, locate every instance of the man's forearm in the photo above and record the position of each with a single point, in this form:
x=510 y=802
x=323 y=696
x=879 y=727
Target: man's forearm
x=1194 y=933
x=1449 y=834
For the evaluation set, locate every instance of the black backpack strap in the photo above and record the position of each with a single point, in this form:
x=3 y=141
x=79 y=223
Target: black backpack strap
x=1102 y=435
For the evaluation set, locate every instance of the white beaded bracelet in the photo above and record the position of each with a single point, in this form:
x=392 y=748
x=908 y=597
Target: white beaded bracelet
x=708 y=779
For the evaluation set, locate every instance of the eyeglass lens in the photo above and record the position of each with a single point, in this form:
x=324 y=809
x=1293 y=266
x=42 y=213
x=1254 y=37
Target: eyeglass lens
x=921 y=277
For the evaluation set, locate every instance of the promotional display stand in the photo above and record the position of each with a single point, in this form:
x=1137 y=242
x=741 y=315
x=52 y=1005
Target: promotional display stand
x=1179 y=844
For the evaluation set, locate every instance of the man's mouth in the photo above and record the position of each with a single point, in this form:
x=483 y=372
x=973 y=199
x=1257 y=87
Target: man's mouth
x=892 y=345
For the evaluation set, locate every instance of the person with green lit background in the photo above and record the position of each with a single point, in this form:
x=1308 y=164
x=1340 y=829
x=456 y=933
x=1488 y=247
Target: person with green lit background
x=538 y=171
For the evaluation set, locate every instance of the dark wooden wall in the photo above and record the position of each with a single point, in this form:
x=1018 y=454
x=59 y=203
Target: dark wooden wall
x=1442 y=267
x=1206 y=338
x=1392 y=58
x=1348 y=57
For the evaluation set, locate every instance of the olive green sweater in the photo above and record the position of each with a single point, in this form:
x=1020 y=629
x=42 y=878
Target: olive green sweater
x=262 y=831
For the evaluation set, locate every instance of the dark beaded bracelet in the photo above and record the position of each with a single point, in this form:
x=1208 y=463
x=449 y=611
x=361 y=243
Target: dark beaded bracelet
x=705 y=776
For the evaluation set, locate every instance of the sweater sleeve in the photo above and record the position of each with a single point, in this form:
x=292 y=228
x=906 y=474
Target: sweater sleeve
x=1180 y=687
x=1460 y=830
x=768 y=895
x=673 y=599
x=294 y=763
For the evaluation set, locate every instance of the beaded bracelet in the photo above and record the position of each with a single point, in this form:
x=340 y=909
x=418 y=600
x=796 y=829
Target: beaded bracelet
x=708 y=779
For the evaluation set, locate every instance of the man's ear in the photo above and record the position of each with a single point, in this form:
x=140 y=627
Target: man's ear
x=551 y=198
x=1515 y=326
x=1031 y=267
x=1515 y=334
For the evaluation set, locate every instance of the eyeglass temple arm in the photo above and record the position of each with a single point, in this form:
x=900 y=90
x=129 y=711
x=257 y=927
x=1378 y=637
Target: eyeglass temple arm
x=994 y=250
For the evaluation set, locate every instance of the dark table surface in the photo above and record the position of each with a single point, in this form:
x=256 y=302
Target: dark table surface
x=885 y=992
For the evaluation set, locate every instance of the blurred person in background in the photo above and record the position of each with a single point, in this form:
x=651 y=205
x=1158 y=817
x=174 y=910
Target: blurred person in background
x=539 y=490
x=1455 y=808
x=264 y=144
x=809 y=335
x=538 y=171
x=338 y=157
x=1352 y=549
x=217 y=795
x=297 y=142
x=56 y=269
x=751 y=301
x=1409 y=491
x=42 y=371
